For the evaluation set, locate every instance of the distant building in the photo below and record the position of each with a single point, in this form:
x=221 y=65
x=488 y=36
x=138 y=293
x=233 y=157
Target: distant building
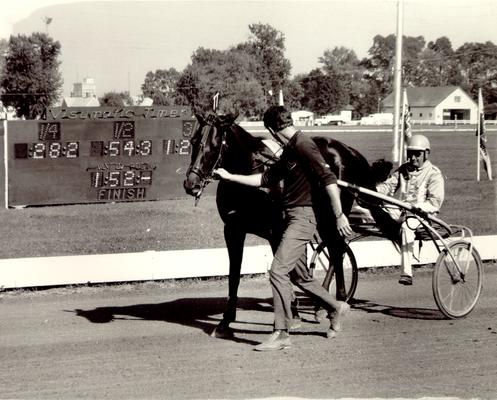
x=437 y=105
x=80 y=102
x=303 y=118
x=8 y=112
x=87 y=88
x=142 y=101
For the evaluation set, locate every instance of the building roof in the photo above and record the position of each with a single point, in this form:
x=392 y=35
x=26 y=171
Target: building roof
x=80 y=102
x=423 y=96
x=142 y=101
x=302 y=113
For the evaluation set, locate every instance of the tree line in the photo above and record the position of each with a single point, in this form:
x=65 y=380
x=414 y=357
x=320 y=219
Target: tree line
x=248 y=76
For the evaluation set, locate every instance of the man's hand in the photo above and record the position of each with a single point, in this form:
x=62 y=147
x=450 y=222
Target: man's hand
x=343 y=226
x=419 y=211
x=221 y=173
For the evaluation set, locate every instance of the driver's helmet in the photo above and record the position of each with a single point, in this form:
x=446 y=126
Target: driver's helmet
x=277 y=118
x=418 y=142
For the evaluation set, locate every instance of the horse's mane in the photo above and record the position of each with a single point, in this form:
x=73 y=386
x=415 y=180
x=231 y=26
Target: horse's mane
x=257 y=152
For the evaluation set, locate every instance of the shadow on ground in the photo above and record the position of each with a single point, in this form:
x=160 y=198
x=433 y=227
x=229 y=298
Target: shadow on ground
x=306 y=309
x=206 y=313
x=398 y=312
x=198 y=313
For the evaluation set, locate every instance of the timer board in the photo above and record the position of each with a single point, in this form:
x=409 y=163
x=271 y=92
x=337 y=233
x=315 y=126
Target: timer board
x=95 y=155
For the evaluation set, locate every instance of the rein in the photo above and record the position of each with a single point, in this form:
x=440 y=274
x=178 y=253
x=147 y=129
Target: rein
x=206 y=178
x=263 y=163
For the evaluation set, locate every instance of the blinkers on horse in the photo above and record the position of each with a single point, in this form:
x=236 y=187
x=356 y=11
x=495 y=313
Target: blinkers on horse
x=204 y=143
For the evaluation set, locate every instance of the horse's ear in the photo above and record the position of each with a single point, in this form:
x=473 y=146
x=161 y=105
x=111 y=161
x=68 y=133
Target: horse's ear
x=200 y=118
x=231 y=117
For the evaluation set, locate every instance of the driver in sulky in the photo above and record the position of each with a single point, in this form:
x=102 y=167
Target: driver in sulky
x=419 y=183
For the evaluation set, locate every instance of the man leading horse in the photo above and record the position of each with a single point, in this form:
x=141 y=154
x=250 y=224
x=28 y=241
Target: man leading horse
x=307 y=181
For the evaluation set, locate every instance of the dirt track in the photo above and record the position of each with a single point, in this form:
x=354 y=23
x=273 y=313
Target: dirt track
x=151 y=341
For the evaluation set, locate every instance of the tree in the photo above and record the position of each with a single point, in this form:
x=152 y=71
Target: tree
x=477 y=62
x=323 y=94
x=445 y=68
x=31 y=80
x=339 y=60
x=267 y=45
x=293 y=93
x=188 y=88
x=248 y=76
x=4 y=49
x=380 y=65
x=412 y=47
x=160 y=86
x=344 y=65
x=232 y=73
x=116 y=99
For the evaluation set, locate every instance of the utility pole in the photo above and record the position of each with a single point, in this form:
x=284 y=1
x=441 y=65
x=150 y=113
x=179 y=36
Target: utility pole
x=47 y=21
x=397 y=82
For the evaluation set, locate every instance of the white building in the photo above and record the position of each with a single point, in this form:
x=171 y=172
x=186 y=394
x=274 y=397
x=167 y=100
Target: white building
x=87 y=88
x=80 y=102
x=437 y=105
x=303 y=118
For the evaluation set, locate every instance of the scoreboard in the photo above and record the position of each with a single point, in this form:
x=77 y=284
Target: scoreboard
x=98 y=154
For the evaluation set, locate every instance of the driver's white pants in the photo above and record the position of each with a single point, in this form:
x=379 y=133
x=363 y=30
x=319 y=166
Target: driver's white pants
x=407 y=231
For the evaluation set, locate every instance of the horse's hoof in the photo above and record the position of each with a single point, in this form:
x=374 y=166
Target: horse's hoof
x=222 y=332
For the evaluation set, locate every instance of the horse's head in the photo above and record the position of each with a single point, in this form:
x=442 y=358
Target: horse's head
x=208 y=143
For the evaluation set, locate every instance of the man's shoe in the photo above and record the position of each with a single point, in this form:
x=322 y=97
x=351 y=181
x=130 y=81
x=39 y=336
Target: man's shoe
x=405 y=280
x=320 y=314
x=336 y=319
x=279 y=340
x=295 y=324
x=331 y=334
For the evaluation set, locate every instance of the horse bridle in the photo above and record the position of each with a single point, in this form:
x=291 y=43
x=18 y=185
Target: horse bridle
x=206 y=178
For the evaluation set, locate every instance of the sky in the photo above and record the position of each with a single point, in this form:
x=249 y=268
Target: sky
x=117 y=42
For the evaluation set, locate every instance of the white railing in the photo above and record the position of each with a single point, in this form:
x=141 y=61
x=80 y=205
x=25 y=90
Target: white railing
x=457 y=122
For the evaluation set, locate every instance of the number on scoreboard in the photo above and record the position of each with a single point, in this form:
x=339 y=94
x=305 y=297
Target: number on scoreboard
x=48 y=131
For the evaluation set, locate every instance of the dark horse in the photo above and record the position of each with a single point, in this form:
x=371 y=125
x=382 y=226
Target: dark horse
x=219 y=142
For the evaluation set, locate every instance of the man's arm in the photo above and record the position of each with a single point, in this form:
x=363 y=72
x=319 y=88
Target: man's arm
x=342 y=221
x=434 y=194
x=253 y=180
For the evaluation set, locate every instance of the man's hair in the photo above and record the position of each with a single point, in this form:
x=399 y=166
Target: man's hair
x=277 y=118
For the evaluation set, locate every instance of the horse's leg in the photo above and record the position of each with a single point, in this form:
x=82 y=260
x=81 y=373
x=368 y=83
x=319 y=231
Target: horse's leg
x=235 y=239
x=336 y=247
x=337 y=259
x=339 y=246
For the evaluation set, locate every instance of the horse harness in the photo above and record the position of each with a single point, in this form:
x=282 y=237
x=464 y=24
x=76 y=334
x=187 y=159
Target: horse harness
x=206 y=178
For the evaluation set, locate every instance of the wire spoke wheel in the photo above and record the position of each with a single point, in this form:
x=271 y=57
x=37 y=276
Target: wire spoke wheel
x=456 y=288
x=320 y=260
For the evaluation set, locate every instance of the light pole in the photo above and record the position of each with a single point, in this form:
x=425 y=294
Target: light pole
x=47 y=21
x=397 y=82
